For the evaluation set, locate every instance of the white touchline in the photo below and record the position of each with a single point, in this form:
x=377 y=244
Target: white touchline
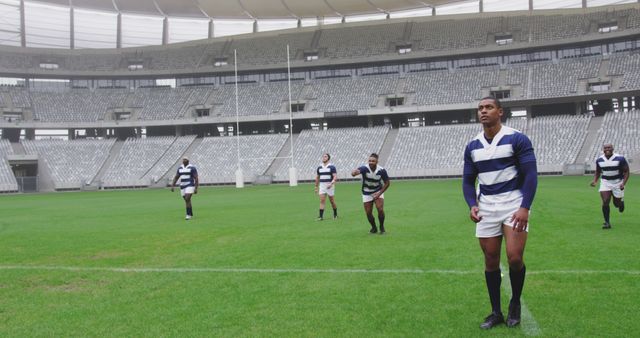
x=234 y=270
x=294 y=270
x=529 y=325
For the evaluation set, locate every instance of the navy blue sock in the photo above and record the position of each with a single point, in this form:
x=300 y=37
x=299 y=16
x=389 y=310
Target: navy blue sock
x=493 y=279
x=605 y=212
x=381 y=220
x=372 y=221
x=517 y=283
x=335 y=212
x=321 y=213
x=190 y=211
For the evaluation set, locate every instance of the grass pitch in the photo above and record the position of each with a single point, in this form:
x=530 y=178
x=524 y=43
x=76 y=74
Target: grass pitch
x=254 y=262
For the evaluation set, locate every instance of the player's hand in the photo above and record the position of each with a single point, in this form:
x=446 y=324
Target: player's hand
x=520 y=219
x=593 y=183
x=315 y=189
x=474 y=214
x=376 y=195
x=172 y=189
x=195 y=191
x=621 y=186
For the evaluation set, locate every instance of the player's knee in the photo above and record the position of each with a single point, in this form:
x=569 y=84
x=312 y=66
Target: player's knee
x=491 y=264
x=515 y=261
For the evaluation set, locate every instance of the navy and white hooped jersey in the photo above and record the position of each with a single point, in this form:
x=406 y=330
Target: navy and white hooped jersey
x=325 y=173
x=372 y=181
x=496 y=164
x=187 y=176
x=612 y=168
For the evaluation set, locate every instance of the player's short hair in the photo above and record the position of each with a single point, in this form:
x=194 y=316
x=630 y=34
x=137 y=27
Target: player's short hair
x=374 y=155
x=495 y=99
x=329 y=156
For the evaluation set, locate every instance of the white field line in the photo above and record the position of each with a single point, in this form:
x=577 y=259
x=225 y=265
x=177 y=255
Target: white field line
x=309 y=270
x=529 y=324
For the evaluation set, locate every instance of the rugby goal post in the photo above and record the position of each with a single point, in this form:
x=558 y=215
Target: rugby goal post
x=293 y=177
x=239 y=178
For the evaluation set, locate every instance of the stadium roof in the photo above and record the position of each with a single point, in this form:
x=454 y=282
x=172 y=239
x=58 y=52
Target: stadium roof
x=79 y=24
x=253 y=8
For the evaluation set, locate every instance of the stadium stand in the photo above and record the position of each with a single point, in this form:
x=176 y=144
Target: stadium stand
x=444 y=87
x=541 y=79
x=627 y=65
x=346 y=41
x=557 y=139
x=254 y=99
x=360 y=41
x=271 y=49
x=561 y=79
x=443 y=71
x=8 y=181
x=217 y=159
x=101 y=61
x=198 y=96
x=160 y=103
x=555 y=27
x=77 y=105
x=349 y=148
x=72 y=164
x=454 y=34
x=620 y=129
x=168 y=159
x=343 y=94
x=424 y=151
x=518 y=75
x=20 y=98
x=632 y=18
x=137 y=157
x=185 y=57
x=517 y=123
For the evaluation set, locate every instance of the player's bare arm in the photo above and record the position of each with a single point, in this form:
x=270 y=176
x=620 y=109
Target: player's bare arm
x=197 y=184
x=333 y=181
x=173 y=184
x=625 y=176
x=596 y=176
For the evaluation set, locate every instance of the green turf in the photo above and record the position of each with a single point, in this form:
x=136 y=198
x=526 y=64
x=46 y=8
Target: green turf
x=583 y=281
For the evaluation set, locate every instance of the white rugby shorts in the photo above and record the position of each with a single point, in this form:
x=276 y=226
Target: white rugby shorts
x=324 y=189
x=187 y=190
x=613 y=186
x=369 y=198
x=494 y=215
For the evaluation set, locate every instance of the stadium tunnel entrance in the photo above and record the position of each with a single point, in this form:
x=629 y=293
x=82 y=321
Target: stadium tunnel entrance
x=25 y=169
